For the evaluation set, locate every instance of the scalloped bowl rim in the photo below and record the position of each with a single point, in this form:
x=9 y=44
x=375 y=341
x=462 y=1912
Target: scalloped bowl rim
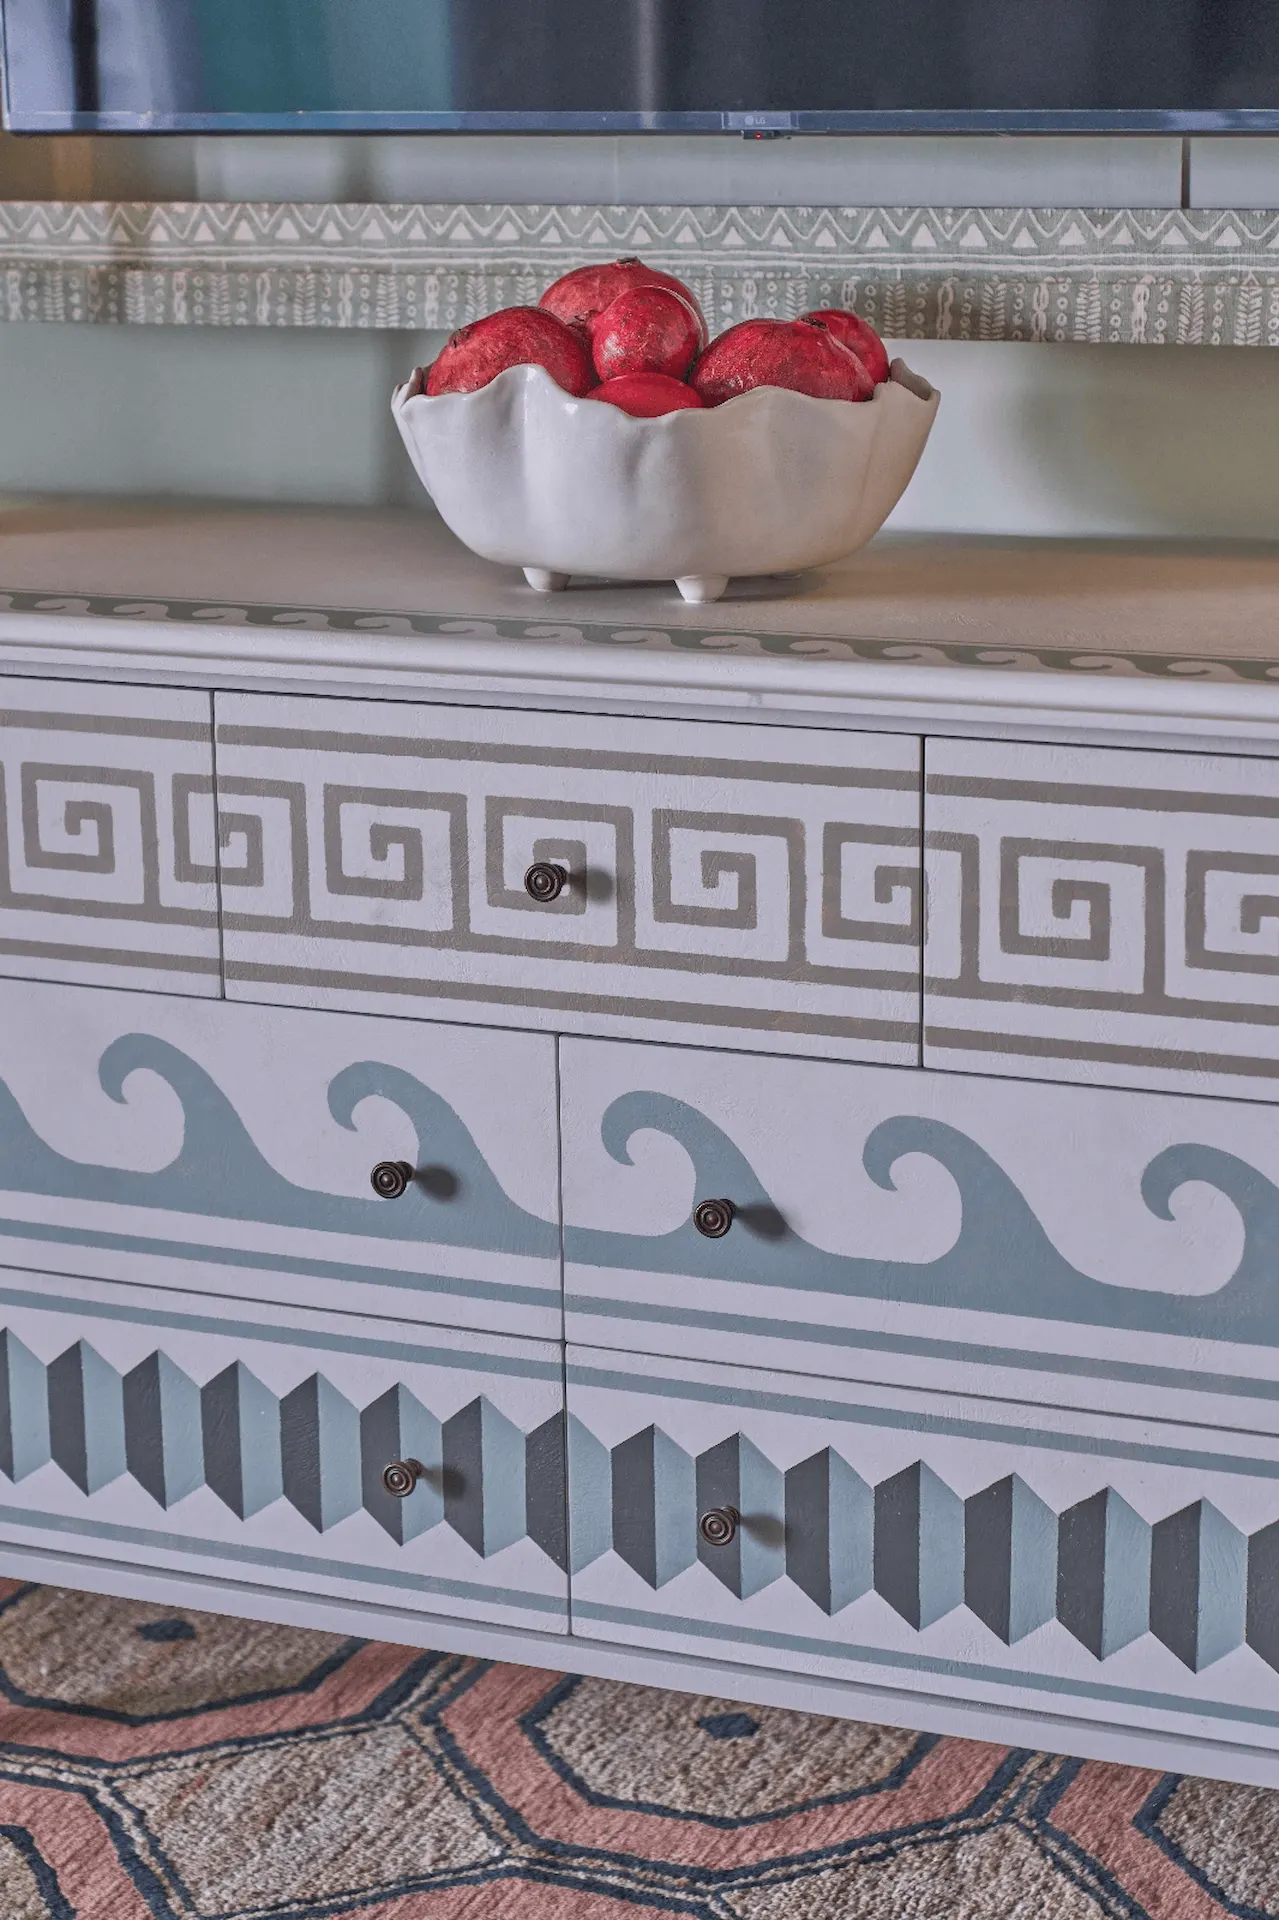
x=771 y=481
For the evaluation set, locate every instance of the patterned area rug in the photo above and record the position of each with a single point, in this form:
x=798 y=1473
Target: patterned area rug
x=180 y=1766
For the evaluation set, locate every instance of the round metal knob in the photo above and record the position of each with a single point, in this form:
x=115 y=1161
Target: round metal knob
x=390 y=1178
x=714 y=1217
x=401 y=1477
x=545 y=881
x=718 y=1527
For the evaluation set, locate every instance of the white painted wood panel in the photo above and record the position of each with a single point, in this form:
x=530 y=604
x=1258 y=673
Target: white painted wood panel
x=1104 y=916
x=755 y=885
x=227 y=1151
x=1025 y=1557
x=244 y=1448
x=107 y=856
x=1074 y=1246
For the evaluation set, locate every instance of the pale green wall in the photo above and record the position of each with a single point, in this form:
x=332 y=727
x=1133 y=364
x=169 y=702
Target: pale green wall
x=248 y=414
x=1036 y=439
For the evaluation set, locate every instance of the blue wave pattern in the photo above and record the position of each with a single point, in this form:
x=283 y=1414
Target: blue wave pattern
x=219 y=1172
x=1001 y=1262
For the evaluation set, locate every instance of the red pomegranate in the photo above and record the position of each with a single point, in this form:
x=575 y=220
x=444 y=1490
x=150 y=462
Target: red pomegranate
x=515 y=337
x=577 y=297
x=859 y=337
x=648 y=330
x=800 y=354
x=646 y=395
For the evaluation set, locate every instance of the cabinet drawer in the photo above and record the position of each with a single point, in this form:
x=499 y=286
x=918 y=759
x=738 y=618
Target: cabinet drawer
x=136 y=1432
x=107 y=858
x=228 y=1150
x=757 y=883
x=1084 y=1246
x=1105 y=916
x=1038 y=1559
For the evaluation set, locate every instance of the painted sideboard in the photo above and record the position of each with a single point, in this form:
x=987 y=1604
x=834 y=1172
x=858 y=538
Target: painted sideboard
x=745 y=1157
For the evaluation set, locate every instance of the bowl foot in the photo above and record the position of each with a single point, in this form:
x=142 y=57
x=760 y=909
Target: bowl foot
x=701 y=588
x=542 y=580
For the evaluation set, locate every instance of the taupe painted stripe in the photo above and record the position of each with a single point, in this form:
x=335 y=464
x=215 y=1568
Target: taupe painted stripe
x=125 y=725
x=1132 y=799
x=689 y=766
x=656 y=959
x=890 y=1032
x=110 y=956
x=1141 y=1004
x=1036 y=1046
x=159 y=916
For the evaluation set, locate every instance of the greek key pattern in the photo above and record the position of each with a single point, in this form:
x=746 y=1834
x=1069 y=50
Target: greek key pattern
x=1097 y=914
x=1139 y=276
x=107 y=861
x=375 y=856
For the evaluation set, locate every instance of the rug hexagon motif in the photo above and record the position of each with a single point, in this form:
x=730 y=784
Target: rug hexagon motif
x=162 y=1764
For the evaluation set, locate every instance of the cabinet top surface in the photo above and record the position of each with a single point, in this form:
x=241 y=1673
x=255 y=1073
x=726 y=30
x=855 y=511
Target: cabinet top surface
x=983 y=633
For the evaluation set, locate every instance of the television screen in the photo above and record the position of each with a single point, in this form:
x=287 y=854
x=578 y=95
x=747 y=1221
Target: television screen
x=753 y=65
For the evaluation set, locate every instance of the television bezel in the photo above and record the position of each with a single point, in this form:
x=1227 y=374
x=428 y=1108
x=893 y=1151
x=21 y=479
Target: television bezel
x=1144 y=120
x=1171 y=121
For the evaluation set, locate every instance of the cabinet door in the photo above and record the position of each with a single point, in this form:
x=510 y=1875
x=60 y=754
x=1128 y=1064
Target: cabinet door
x=1085 y=1246
x=251 y=1446
x=107 y=858
x=229 y=1150
x=759 y=884
x=1103 y=915
x=1072 y=1566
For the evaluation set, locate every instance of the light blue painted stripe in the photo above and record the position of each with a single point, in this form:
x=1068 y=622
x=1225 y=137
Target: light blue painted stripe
x=283 y=1263
x=288 y=1336
x=923 y=1423
x=922 y=1663
x=288 y=1562
x=1241 y=1385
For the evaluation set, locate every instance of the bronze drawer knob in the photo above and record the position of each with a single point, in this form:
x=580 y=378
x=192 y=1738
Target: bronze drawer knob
x=713 y=1218
x=718 y=1527
x=545 y=881
x=401 y=1477
x=390 y=1179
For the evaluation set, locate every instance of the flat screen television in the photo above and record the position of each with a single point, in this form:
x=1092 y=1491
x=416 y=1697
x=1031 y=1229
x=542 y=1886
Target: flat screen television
x=756 y=66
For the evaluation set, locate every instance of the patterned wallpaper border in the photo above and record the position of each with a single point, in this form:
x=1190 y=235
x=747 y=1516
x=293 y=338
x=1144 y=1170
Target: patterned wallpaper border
x=1143 y=277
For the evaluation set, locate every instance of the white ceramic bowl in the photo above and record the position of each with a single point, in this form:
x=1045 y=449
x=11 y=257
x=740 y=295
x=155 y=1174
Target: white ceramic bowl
x=768 y=483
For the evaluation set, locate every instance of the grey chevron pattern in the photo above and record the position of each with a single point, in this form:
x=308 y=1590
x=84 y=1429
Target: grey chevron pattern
x=486 y=1479
x=1098 y=1568
x=1104 y=1573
